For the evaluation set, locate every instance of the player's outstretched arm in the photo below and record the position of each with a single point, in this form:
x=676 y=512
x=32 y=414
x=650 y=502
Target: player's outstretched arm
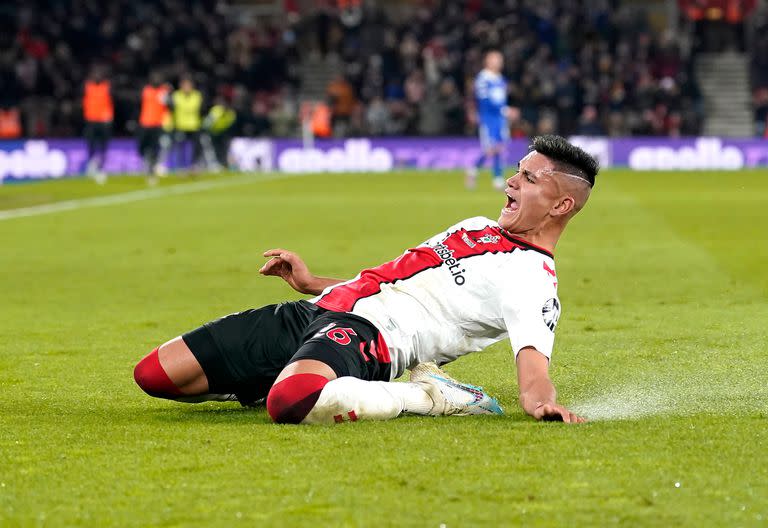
x=537 y=393
x=291 y=268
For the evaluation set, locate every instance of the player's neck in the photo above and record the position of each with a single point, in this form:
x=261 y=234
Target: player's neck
x=545 y=238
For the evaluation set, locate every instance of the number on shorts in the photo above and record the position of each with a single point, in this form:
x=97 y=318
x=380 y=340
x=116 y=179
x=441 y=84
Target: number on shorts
x=341 y=335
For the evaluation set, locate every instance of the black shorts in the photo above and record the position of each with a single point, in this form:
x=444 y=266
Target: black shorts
x=149 y=138
x=244 y=352
x=97 y=131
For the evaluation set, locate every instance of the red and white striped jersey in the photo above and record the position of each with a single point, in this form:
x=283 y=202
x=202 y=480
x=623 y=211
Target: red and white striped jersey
x=459 y=292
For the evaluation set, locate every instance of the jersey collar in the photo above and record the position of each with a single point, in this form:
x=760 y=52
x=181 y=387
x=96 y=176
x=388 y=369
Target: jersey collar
x=524 y=243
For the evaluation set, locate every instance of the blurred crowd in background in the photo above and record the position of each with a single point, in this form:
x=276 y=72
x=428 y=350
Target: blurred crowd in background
x=591 y=68
x=759 y=69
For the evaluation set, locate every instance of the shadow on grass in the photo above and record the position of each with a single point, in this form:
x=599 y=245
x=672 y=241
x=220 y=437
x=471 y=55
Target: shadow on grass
x=230 y=414
x=211 y=413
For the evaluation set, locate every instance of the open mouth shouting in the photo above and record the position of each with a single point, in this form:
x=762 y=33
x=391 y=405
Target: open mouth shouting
x=512 y=205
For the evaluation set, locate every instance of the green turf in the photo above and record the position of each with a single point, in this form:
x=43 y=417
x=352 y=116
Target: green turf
x=662 y=342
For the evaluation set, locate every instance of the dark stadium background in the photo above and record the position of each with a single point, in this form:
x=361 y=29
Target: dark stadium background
x=603 y=67
x=662 y=278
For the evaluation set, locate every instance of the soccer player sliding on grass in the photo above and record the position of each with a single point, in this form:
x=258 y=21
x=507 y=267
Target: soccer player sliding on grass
x=333 y=358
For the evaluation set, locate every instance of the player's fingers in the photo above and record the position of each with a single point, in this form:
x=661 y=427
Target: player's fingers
x=271 y=266
x=290 y=258
x=276 y=252
x=551 y=413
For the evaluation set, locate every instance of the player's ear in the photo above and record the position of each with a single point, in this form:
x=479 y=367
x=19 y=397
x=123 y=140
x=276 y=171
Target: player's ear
x=564 y=206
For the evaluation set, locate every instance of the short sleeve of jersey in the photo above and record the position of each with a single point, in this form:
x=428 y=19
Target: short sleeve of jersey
x=531 y=310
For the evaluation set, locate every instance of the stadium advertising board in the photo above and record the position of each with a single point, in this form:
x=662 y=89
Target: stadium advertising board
x=38 y=159
x=361 y=155
x=50 y=158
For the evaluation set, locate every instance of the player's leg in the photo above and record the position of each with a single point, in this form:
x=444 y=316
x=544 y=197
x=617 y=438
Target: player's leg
x=143 y=139
x=499 y=137
x=309 y=391
x=153 y=147
x=90 y=143
x=178 y=151
x=197 y=150
x=239 y=354
x=150 y=152
x=341 y=374
x=163 y=157
x=101 y=138
x=172 y=371
x=470 y=180
x=498 y=167
x=222 y=149
x=106 y=136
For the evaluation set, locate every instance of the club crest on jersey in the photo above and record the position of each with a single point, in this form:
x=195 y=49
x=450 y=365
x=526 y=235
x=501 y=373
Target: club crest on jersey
x=551 y=313
x=446 y=255
x=488 y=239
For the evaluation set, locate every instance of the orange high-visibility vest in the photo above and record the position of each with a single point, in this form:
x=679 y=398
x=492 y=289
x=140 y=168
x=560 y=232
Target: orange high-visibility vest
x=153 y=105
x=321 y=120
x=97 y=102
x=10 y=123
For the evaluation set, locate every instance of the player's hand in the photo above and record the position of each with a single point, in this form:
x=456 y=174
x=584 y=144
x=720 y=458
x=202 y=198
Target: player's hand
x=551 y=412
x=290 y=267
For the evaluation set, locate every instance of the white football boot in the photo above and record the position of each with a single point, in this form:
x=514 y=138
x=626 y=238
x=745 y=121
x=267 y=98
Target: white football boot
x=451 y=397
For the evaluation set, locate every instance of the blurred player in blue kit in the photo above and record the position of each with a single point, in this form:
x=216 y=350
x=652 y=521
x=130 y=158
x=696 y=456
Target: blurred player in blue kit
x=492 y=110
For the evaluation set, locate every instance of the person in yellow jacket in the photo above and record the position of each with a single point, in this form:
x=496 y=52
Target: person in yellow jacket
x=218 y=126
x=187 y=103
x=98 y=114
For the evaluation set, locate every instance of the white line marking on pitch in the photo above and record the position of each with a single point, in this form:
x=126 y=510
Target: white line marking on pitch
x=135 y=196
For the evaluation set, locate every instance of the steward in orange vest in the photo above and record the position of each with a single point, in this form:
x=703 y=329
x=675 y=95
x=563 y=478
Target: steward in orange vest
x=154 y=115
x=98 y=113
x=10 y=123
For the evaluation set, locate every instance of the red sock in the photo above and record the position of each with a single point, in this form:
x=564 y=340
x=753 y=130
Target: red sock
x=151 y=377
x=291 y=400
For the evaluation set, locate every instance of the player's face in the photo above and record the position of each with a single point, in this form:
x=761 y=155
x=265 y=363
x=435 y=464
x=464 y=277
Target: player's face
x=531 y=194
x=495 y=61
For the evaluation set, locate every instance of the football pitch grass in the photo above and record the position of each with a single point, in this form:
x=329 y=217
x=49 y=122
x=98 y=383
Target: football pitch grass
x=662 y=343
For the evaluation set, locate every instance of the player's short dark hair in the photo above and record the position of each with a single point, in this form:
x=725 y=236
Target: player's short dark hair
x=571 y=158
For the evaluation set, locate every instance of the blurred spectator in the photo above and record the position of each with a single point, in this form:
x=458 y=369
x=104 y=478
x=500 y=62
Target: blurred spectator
x=155 y=97
x=413 y=69
x=98 y=113
x=284 y=114
x=451 y=106
x=588 y=123
x=218 y=126
x=758 y=69
x=518 y=127
x=256 y=122
x=343 y=101
x=186 y=104
x=377 y=117
x=761 y=112
x=10 y=123
x=320 y=120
